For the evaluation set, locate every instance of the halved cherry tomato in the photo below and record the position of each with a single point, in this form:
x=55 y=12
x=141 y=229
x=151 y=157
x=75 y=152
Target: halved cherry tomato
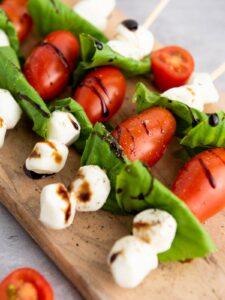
x=25 y=284
x=16 y=11
x=200 y=184
x=145 y=136
x=171 y=67
x=50 y=64
x=101 y=93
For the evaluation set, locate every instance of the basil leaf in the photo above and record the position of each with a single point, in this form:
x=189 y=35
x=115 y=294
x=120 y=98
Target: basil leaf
x=137 y=190
x=52 y=15
x=95 y=54
x=74 y=107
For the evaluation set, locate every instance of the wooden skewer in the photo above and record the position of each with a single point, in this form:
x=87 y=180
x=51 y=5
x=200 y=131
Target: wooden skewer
x=218 y=72
x=155 y=13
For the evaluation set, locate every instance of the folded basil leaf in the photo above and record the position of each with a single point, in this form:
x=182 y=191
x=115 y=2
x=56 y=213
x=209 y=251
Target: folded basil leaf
x=13 y=80
x=137 y=190
x=74 y=107
x=10 y=31
x=51 y=15
x=96 y=54
x=102 y=150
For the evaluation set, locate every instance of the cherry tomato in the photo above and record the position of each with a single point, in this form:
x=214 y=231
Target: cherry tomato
x=145 y=136
x=50 y=64
x=171 y=67
x=16 y=11
x=101 y=93
x=200 y=184
x=24 y=284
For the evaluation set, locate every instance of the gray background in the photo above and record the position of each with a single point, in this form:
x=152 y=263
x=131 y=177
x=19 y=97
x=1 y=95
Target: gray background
x=198 y=26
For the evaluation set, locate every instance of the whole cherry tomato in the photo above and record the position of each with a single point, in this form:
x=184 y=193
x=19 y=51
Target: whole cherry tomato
x=145 y=136
x=25 y=284
x=200 y=184
x=50 y=64
x=101 y=93
x=171 y=66
x=16 y=11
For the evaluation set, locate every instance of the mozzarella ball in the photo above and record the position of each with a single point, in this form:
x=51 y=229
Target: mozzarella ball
x=95 y=11
x=47 y=157
x=90 y=188
x=4 y=40
x=2 y=131
x=131 y=260
x=134 y=43
x=190 y=95
x=63 y=127
x=9 y=109
x=206 y=85
x=57 y=207
x=156 y=227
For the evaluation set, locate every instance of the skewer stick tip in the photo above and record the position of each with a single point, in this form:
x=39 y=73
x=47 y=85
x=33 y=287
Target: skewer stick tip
x=155 y=13
x=218 y=72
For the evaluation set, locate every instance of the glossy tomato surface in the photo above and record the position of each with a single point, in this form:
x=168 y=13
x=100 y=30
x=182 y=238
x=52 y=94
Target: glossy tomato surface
x=16 y=11
x=101 y=93
x=145 y=136
x=200 y=184
x=25 y=284
x=171 y=66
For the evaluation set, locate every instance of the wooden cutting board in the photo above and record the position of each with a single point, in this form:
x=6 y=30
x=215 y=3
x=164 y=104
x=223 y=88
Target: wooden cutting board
x=81 y=251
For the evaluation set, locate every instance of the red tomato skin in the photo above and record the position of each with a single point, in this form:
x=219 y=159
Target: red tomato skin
x=165 y=77
x=101 y=93
x=203 y=193
x=46 y=71
x=145 y=136
x=43 y=288
x=16 y=11
x=67 y=43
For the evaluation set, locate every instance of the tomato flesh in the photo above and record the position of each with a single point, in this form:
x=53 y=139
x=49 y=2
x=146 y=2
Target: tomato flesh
x=200 y=184
x=145 y=136
x=171 y=66
x=101 y=93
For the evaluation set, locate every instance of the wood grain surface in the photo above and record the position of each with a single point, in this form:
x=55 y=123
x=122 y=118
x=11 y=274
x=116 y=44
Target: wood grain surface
x=81 y=250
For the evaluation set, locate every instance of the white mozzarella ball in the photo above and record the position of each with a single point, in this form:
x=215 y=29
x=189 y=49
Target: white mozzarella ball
x=131 y=260
x=4 y=40
x=9 y=109
x=156 y=227
x=95 y=11
x=47 y=157
x=63 y=127
x=3 y=129
x=189 y=94
x=90 y=188
x=205 y=83
x=57 y=207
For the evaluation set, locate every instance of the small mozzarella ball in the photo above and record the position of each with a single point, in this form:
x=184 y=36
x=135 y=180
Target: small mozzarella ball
x=63 y=127
x=205 y=83
x=47 y=157
x=90 y=188
x=4 y=40
x=189 y=94
x=131 y=260
x=57 y=207
x=2 y=131
x=156 y=227
x=95 y=11
x=9 y=109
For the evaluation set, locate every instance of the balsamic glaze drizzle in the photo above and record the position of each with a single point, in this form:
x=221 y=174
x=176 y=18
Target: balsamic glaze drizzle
x=35 y=105
x=195 y=121
x=34 y=175
x=132 y=139
x=130 y=24
x=208 y=174
x=142 y=196
x=213 y=120
x=215 y=154
x=99 y=45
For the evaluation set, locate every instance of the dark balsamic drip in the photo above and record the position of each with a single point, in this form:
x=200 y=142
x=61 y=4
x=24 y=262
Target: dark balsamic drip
x=102 y=86
x=213 y=120
x=208 y=174
x=132 y=139
x=34 y=175
x=58 y=52
x=195 y=121
x=35 y=105
x=119 y=191
x=119 y=133
x=99 y=45
x=130 y=24
x=143 y=123
x=215 y=154
x=142 y=196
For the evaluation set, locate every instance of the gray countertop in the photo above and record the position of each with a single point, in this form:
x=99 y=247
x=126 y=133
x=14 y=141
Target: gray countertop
x=198 y=26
